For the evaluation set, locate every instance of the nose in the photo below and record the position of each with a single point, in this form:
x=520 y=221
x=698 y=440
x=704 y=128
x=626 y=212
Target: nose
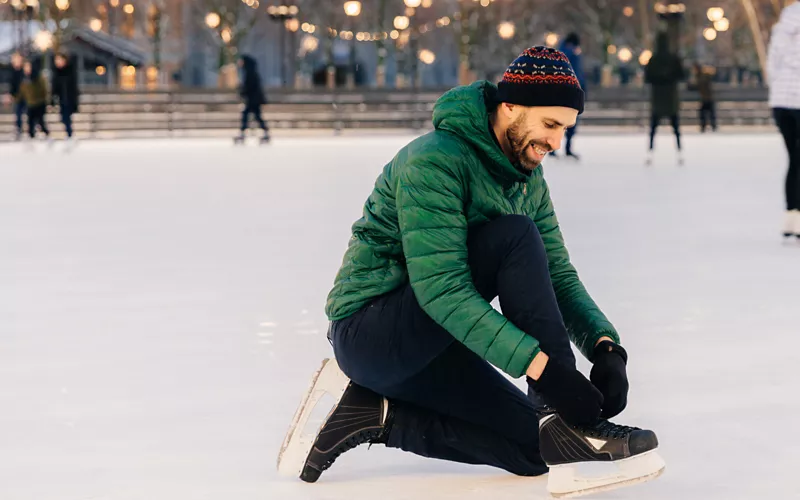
x=554 y=141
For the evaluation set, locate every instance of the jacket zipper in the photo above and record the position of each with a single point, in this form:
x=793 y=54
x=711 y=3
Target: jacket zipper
x=514 y=197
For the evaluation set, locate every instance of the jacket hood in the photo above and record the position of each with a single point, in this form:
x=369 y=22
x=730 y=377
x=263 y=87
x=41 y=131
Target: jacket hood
x=791 y=14
x=464 y=112
x=249 y=64
x=662 y=45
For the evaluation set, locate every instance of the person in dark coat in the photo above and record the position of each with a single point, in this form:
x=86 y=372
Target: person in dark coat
x=252 y=93
x=703 y=84
x=65 y=90
x=663 y=73
x=34 y=92
x=571 y=47
x=15 y=97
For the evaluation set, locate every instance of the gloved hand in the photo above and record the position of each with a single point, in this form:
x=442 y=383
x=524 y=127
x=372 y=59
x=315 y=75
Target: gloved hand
x=569 y=393
x=609 y=374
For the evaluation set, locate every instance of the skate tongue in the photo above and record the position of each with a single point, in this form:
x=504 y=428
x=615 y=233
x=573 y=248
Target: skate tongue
x=608 y=429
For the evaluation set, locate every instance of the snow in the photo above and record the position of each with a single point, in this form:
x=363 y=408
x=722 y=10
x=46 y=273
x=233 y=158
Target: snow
x=161 y=313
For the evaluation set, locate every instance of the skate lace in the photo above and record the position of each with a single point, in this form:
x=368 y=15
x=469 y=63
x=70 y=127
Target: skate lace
x=608 y=429
x=359 y=438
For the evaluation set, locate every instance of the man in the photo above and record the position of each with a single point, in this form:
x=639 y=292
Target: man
x=704 y=85
x=460 y=216
x=65 y=91
x=14 y=95
x=663 y=73
x=33 y=90
x=571 y=47
x=783 y=72
x=252 y=93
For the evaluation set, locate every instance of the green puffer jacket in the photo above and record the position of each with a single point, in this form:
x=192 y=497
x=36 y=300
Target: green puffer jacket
x=34 y=92
x=415 y=228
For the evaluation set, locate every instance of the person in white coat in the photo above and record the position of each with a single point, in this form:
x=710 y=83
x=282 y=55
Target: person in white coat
x=783 y=74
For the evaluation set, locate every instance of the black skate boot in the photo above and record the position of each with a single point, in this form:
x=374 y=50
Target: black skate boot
x=792 y=226
x=361 y=416
x=632 y=452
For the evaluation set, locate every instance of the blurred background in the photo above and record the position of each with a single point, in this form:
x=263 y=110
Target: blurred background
x=168 y=67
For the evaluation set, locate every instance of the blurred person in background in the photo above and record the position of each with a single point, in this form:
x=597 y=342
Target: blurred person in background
x=703 y=84
x=252 y=93
x=571 y=47
x=34 y=93
x=14 y=97
x=663 y=73
x=65 y=91
x=783 y=73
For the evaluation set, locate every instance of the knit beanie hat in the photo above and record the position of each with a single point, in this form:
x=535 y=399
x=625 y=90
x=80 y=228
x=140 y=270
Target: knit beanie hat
x=541 y=76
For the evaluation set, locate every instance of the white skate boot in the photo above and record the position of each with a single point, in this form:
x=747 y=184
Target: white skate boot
x=586 y=460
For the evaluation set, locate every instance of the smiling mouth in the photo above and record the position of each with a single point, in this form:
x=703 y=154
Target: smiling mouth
x=540 y=150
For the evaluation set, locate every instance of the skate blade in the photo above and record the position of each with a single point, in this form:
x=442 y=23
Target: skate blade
x=296 y=446
x=564 y=482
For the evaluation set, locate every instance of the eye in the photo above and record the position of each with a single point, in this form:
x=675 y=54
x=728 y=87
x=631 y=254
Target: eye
x=550 y=125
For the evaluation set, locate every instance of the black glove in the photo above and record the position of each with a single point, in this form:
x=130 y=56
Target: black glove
x=610 y=376
x=569 y=392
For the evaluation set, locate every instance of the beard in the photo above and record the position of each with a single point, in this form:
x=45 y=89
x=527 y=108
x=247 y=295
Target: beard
x=519 y=142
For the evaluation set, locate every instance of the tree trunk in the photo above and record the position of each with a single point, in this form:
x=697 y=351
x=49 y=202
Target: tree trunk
x=758 y=37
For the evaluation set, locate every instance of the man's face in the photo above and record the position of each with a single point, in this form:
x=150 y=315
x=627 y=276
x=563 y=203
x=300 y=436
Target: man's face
x=16 y=61
x=27 y=68
x=60 y=62
x=536 y=131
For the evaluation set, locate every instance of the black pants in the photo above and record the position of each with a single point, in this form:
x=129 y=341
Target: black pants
x=655 y=120
x=66 y=119
x=255 y=110
x=708 y=115
x=449 y=403
x=788 y=121
x=19 y=110
x=36 y=117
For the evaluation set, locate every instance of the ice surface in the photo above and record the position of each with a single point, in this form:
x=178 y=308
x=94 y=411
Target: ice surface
x=161 y=312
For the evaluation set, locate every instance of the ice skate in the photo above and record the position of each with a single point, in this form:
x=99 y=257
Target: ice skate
x=604 y=457
x=358 y=416
x=239 y=139
x=648 y=161
x=791 y=227
x=572 y=155
x=265 y=139
x=680 y=159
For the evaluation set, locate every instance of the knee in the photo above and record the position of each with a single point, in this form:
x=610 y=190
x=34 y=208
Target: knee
x=517 y=228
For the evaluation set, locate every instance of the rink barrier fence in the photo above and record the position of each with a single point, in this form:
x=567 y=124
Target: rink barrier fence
x=193 y=112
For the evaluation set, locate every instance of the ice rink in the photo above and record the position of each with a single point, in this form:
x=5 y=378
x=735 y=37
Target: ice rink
x=161 y=313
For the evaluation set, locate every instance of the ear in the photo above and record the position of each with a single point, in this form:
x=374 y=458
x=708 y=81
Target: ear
x=507 y=109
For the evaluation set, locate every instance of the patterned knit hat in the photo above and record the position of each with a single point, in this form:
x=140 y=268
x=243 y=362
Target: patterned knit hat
x=541 y=76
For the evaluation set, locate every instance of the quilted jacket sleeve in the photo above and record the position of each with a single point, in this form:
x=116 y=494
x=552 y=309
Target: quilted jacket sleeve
x=433 y=226
x=585 y=322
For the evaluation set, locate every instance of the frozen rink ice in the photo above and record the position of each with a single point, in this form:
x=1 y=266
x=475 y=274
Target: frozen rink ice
x=161 y=312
